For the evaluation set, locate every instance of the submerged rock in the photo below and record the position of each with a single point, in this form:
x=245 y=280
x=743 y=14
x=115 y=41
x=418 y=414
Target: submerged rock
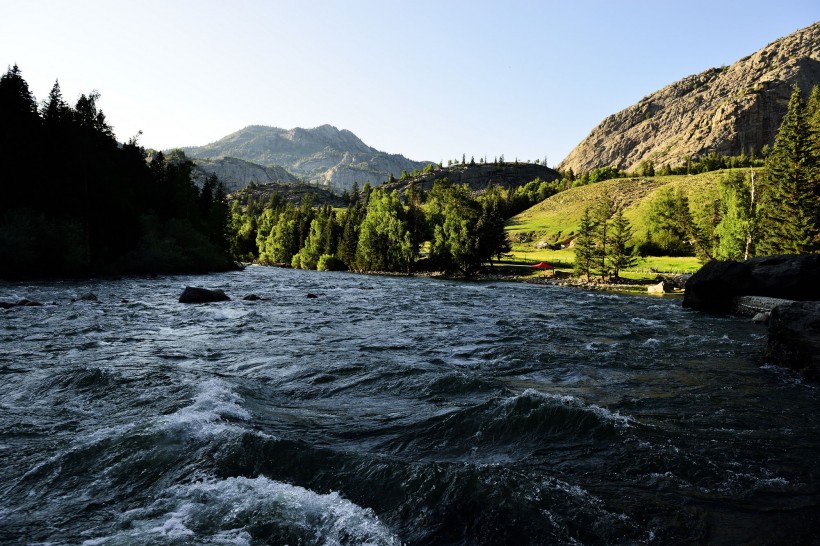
x=794 y=337
x=312 y=296
x=22 y=303
x=718 y=283
x=193 y=294
x=252 y=297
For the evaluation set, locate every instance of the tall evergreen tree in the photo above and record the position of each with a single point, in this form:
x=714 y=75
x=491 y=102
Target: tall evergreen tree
x=602 y=214
x=493 y=240
x=619 y=253
x=813 y=119
x=19 y=135
x=585 y=246
x=789 y=203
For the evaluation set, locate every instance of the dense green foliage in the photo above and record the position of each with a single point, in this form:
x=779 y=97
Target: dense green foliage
x=789 y=203
x=76 y=202
x=755 y=212
x=603 y=245
x=378 y=231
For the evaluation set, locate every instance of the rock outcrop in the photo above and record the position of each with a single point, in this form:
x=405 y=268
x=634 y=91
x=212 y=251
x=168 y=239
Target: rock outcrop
x=781 y=290
x=718 y=283
x=663 y=287
x=236 y=173
x=323 y=156
x=193 y=294
x=725 y=110
x=794 y=337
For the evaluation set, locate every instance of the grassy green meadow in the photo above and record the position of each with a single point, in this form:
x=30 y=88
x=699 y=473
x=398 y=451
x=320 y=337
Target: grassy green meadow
x=557 y=219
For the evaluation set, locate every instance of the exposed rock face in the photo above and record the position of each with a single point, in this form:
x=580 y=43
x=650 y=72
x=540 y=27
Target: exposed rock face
x=236 y=173
x=477 y=177
x=193 y=294
x=725 y=110
x=292 y=193
x=322 y=156
x=718 y=283
x=794 y=337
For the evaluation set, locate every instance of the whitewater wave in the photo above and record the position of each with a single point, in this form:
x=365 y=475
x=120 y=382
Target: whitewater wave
x=570 y=401
x=248 y=510
x=210 y=413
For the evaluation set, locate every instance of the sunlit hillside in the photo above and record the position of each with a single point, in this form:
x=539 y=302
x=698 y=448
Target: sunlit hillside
x=556 y=219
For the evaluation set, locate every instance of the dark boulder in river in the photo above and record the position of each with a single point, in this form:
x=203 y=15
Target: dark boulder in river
x=794 y=337
x=193 y=294
x=718 y=283
x=21 y=303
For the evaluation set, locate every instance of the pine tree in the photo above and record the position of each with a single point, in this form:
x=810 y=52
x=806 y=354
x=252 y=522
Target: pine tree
x=620 y=252
x=813 y=119
x=602 y=214
x=788 y=206
x=585 y=246
x=19 y=134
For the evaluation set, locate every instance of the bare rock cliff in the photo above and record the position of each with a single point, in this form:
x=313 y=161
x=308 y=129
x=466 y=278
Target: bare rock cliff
x=237 y=173
x=725 y=110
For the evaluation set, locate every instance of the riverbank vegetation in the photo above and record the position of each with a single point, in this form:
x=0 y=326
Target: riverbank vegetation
x=99 y=207
x=75 y=202
x=766 y=207
x=447 y=229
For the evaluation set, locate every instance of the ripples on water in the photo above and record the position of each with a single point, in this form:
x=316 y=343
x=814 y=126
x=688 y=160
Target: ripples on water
x=393 y=411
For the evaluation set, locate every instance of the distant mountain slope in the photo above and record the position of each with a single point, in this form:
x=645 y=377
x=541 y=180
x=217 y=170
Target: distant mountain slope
x=725 y=110
x=479 y=176
x=237 y=173
x=322 y=156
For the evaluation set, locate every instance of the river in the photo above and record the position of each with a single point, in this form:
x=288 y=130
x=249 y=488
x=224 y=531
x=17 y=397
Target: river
x=391 y=411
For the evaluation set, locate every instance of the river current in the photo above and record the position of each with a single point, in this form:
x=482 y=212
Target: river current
x=391 y=411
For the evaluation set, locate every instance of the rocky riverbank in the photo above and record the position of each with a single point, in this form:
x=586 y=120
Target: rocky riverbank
x=781 y=291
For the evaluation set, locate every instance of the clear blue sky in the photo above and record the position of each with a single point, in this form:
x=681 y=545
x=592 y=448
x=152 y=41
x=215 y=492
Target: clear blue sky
x=427 y=79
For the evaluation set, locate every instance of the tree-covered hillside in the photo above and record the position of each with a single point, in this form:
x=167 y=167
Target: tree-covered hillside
x=722 y=214
x=75 y=202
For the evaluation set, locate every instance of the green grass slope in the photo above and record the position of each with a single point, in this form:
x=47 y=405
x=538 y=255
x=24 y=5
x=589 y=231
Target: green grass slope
x=558 y=218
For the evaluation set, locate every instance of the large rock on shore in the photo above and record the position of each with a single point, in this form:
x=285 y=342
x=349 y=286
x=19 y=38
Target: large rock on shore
x=794 y=337
x=718 y=283
x=193 y=294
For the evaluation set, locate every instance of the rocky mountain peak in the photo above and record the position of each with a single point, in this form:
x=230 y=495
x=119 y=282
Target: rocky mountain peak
x=727 y=110
x=322 y=156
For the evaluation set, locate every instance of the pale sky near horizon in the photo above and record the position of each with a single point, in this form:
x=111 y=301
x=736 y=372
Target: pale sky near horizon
x=431 y=80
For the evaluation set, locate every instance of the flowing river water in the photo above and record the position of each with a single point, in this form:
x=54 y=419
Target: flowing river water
x=393 y=411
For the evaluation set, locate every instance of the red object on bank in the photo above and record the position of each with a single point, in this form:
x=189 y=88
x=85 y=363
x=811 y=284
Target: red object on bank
x=542 y=265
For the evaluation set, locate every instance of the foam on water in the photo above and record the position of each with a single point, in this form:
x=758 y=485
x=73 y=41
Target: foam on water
x=210 y=412
x=244 y=510
x=571 y=401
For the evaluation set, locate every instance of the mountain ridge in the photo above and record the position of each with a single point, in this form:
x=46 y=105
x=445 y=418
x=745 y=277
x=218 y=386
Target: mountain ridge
x=323 y=156
x=728 y=110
